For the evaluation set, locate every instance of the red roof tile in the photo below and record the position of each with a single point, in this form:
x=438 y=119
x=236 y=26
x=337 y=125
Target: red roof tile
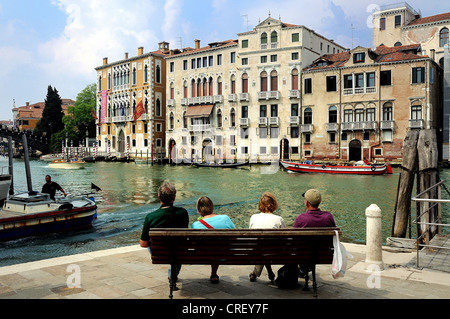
x=431 y=19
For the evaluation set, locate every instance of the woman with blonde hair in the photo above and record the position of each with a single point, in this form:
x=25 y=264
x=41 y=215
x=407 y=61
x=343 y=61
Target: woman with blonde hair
x=208 y=219
x=266 y=219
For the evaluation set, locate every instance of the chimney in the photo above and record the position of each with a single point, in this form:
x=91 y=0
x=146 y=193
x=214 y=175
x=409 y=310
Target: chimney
x=197 y=44
x=140 y=50
x=105 y=61
x=27 y=103
x=126 y=55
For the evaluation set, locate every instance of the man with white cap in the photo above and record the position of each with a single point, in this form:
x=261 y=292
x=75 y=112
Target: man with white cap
x=314 y=217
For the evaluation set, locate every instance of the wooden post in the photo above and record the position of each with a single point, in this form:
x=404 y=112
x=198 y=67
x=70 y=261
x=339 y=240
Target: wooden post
x=428 y=176
x=405 y=185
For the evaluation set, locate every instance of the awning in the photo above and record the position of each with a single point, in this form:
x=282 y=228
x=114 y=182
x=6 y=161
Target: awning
x=199 y=111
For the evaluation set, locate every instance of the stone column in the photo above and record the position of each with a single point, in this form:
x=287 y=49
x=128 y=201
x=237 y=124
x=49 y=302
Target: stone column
x=373 y=237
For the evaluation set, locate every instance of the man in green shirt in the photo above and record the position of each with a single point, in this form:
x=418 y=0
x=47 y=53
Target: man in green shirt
x=167 y=216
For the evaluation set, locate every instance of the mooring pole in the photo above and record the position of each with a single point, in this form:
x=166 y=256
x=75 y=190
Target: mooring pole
x=27 y=162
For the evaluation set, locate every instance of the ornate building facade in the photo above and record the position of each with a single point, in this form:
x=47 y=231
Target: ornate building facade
x=123 y=87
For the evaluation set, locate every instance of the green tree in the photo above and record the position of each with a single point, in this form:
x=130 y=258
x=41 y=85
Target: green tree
x=51 y=121
x=79 y=118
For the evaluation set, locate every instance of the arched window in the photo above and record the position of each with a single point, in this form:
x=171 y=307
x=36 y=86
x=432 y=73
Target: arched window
x=307 y=116
x=134 y=76
x=100 y=83
x=294 y=76
x=219 y=86
x=205 y=87
x=274 y=37
x=264 y=38
x=158 y=108
x=211 y=86
x=146 y=74
x=233 y=85
x=245 y=83
x=193 y=88
x=398 y=44
x=158 y=74
x=171 y=121
x=263 y=77
x=387 y=111
x=443 y=37
x=332 y=114
x=185 y=121
x=172 y=91
x=219 y=118
x=232 y=118
x=199 y=87
x=185 y=90
x=274 y=80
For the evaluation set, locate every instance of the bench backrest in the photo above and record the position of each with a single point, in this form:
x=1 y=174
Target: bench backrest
x=243 y=246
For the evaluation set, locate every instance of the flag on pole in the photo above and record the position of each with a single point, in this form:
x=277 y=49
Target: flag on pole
x=138 y=111
x=94 y=115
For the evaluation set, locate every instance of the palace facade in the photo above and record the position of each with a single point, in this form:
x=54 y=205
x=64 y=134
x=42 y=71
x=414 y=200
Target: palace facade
x=123 y=87
x=240 y=99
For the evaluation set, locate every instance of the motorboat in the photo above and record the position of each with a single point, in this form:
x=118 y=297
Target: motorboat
x=221 y=165
x=5 y=182
x=67 y=164
x=33 y=213
x=375 y=169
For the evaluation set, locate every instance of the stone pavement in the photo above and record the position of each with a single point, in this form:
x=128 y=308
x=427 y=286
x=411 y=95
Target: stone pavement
x=127 y=273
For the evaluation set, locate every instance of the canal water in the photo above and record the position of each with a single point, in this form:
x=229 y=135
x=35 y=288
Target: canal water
x=129 y=192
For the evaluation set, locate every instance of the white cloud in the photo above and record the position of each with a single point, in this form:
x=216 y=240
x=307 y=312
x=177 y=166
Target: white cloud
x=95 y=29
x=13 y=58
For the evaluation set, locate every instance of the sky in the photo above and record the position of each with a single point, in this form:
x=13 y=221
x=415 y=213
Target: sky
x=61 y=42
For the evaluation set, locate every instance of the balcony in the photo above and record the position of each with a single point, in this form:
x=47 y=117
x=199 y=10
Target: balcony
x=171 y=103
x=119 y=119
x=262 y=121
x=232 y=97
x=332 y=127
x=199 y=127
x=359 y=126
x=218 y=98
x=294 y=120
x=370 y=126
x=387 y=125
x=267 y=95
x=416 y=124
x=243 y=97
x=184 y=102
x=307 y=128
x=362 y=90
x=244 y=122
x=294 y=94
x=274 y=121
x=144 y=117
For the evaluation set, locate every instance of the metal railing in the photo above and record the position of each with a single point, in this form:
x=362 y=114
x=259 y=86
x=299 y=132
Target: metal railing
x=422 y=239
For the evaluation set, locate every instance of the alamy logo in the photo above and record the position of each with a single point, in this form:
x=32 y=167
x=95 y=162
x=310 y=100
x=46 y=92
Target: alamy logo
x=374 y=279
x=371 y=21
x=74 y=279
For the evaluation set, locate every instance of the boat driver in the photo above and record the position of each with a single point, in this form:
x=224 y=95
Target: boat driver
x=51 y=187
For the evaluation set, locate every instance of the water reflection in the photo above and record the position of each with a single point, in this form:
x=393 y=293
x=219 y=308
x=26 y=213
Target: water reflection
x=130 y=191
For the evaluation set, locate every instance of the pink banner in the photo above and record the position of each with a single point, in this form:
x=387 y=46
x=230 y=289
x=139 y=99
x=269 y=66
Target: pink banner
x=104 y=106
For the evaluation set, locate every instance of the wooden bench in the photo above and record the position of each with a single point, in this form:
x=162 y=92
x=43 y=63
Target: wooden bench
x=308 y=246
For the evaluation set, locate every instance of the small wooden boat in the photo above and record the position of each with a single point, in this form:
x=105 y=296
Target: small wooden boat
x=32 y=213
x=221 y=165
x=337 y=169
x=67 y=164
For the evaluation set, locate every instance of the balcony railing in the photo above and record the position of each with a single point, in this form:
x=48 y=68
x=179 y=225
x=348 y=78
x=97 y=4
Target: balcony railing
x=416 y=124
x=294 y=120
x=274 y=121
x=267 y=95
x=243 y=121
x=307 y=128
x=171 y=103
x=184 y=101
x=294 y=94
x=232 y=97
x=363 y=90
x=359 y=126
x=262 y=121
x=199 y=127
x=119 y=119
x=218 y=98
x=332 y=127
x=243 y=96
x=387 y=125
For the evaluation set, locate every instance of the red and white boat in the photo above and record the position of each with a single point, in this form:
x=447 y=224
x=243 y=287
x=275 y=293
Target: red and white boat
x=377 y=169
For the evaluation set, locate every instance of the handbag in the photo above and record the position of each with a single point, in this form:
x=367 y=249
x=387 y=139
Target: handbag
x=340 y=255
